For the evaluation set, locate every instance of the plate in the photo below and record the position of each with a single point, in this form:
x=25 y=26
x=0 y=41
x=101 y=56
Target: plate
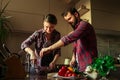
x=69 y=78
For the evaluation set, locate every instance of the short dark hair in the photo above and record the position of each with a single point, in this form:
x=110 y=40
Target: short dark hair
x=72 y=10
x=51 y=19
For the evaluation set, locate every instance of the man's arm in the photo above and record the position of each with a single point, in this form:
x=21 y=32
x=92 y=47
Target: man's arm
x=72 y=62
x=56 y=45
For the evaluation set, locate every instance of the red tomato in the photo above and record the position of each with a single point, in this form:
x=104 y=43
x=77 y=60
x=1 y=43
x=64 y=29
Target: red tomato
x=66 y=75
x=70 y=74
x=63 y=71
x=68 y=71
x=73 y=74
x=64 y=68
x=60 y=72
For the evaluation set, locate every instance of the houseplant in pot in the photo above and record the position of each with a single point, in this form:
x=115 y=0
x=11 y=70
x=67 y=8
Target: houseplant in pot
x=5 y=28
x=5 y=24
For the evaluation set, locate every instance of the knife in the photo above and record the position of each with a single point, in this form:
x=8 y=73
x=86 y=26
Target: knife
x=3 y=56
x=7 y=50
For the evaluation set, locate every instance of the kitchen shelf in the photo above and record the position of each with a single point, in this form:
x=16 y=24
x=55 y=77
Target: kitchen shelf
x=82 y=10
x=107 y=32
x=22 y=32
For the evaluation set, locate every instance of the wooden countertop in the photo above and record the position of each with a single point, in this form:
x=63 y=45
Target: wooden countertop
x=117 y=65
x=114 y=75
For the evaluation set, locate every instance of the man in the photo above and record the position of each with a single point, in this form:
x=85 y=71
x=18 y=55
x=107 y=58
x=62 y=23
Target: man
x=44 y=38
x=83 y=37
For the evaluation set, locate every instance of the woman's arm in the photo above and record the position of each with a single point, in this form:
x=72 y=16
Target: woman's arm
x=52 y=64
x=31 y=52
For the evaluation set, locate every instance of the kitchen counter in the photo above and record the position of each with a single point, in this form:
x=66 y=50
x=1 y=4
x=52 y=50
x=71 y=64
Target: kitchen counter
x=114 y=75
x=117 y=65
x=48 y=77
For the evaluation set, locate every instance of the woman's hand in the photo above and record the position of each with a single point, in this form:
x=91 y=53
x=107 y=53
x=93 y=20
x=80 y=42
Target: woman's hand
x=32 y=56
x=33 y=61
x=31 y=52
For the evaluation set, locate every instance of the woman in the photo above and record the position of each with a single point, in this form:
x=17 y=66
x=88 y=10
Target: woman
x=44 y=38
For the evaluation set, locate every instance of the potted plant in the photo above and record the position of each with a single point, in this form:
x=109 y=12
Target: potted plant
x=5 y=25
x=5 y=28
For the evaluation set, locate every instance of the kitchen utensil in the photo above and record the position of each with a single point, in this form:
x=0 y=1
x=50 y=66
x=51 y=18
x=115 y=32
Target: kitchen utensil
x=2 y=55
x=9 y=53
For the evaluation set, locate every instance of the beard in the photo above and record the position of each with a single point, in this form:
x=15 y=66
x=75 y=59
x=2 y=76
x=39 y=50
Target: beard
x=73 y=24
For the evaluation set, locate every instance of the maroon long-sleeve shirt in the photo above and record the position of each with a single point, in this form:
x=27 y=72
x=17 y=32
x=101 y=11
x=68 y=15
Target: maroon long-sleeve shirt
x=39 y=38
x=85 y=44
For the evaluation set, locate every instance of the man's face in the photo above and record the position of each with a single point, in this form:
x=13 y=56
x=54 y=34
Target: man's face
x=71 y=19
x=48 y=27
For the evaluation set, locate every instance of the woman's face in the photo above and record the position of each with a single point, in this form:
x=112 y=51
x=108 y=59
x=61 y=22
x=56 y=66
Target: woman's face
x=48 y=27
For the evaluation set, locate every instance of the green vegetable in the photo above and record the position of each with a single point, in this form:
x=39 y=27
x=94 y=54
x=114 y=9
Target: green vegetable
x=103 y=65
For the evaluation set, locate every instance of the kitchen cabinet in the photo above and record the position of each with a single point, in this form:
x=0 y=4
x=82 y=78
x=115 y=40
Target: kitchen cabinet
x=105 y=18
x=82 y=10
x=103 y=15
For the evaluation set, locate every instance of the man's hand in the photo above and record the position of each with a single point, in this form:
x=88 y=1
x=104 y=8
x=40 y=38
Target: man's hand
x=72 y=62
x=44 y=51
x=52 y=65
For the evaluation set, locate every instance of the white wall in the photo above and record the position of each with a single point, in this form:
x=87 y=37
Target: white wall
x=27 y=17
x=87 y=4
x=106 y=14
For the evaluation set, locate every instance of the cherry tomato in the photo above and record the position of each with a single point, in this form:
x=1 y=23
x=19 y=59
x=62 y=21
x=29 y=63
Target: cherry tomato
x=70 y=74
x=64 y=68
x=60 y=72
x=66 y=75
x=68 y=71
x=73 y=74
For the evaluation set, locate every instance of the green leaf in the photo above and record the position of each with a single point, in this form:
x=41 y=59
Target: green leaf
x=3 y=9
x=3 y=34
x=5 y=24
x=103 y=65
